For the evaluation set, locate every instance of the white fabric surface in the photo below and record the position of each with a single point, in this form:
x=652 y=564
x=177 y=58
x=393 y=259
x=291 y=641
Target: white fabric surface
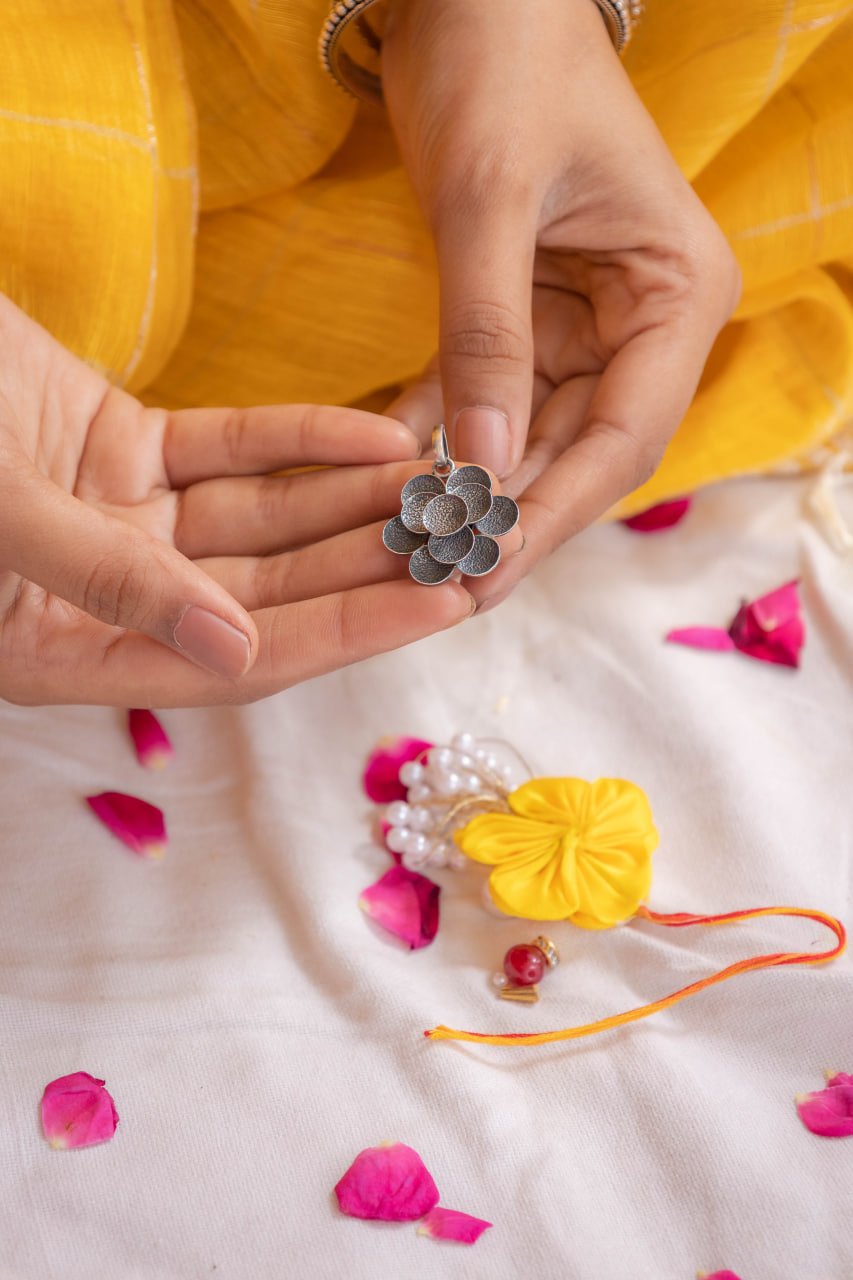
x=256 y=1032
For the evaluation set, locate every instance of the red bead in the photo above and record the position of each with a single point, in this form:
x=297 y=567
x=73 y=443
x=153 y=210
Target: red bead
x=524 y=965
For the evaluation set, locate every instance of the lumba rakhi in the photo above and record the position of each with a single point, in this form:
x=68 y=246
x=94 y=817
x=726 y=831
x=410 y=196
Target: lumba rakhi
x=559 y=849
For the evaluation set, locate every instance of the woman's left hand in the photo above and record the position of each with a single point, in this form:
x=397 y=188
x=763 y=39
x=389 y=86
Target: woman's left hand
x=582 y=280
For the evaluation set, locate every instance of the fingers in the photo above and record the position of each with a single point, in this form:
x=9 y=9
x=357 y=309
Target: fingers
x=120 y=575
x=354 y=559
x=296 y=642
x=200 y=444
x=485 y=259
x=420 y=406
x=637 y=404
x=253 y=515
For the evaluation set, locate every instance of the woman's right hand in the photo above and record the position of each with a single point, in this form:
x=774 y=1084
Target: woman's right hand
x=149 y=558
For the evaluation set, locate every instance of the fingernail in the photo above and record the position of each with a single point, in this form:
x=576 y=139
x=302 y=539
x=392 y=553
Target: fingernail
x=212 y=642
x=482 y=436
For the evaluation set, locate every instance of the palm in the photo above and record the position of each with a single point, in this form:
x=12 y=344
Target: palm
x=301 y=553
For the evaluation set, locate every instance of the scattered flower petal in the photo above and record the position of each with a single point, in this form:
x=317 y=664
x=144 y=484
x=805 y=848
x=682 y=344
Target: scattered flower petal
x=702 y=638
x=448 y=1224
x=406 y=904
x=662 y=516
x=829 y=1111
x=135 y=822
x=153 y=748
x=771 y=627
x=382 y=772
x=77 y=1111
x=390 y=1182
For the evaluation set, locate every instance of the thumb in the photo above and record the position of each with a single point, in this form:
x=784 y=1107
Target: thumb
x=121 y=575
x=485 y=267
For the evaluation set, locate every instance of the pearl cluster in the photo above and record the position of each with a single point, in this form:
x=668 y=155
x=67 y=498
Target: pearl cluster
x=422 y=825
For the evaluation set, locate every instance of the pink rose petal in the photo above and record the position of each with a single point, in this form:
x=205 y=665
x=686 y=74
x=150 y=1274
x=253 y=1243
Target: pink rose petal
x=153 y=748
x=389 y=1182
x=136 y=823
x=77 y=1111
x=829 y=1111
x=663 y=516
x=406 y=904
x=383 y=828
x=771 y=628
x=449 y=1224
x=702 y=638
x=382 y=772
x=718 y=1275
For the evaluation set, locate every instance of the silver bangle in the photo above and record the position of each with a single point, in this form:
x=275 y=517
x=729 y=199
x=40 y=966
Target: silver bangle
x=345 y=27
x=620 y=18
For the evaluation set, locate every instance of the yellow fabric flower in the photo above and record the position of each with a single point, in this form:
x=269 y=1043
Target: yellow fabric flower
x=570 y=850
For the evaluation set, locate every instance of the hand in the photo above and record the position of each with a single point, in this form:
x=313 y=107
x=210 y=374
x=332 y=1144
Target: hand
x=579 y=272
x=148 y=559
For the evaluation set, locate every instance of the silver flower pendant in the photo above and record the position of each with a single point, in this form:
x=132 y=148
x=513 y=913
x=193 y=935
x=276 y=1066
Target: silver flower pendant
x=450 y=520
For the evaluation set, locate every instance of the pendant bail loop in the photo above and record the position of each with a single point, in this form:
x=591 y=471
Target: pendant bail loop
x=443 y=465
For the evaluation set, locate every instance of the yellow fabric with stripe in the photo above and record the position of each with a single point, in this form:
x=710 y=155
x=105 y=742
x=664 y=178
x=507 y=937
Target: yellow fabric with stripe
x=189 y=204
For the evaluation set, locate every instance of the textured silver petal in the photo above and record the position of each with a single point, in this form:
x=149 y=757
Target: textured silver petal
x=413 y=510
x=425 y=569
x=468 y=475
x=444 y=514
x=422 y=484
x=478 y=500
x=400 y=540
x=502 y=517
x=481 y=559
x=451 y=549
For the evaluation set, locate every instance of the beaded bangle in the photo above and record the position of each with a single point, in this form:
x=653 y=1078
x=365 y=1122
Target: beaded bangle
x=346 y=22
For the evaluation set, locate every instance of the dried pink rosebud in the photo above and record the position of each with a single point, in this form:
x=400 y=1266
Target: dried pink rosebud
x=150 y=740
x=406 y=904
x=138 y=824
x=771 y=628
x=389 y=1182
x=662 y=516
x=449 y=1224
x=382 y=772
x=77 y=1111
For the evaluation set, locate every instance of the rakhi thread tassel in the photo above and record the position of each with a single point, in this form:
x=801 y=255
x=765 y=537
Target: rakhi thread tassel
x=675 y=920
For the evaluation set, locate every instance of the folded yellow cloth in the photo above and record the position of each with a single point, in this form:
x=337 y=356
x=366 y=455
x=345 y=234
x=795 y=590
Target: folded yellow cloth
x=188 y=203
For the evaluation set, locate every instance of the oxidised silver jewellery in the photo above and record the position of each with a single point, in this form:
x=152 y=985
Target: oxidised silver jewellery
x=450 y=520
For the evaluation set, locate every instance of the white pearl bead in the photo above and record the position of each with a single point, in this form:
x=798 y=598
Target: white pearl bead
x=457 y=860
x=416 y=843
x=397 y=813
x=465 y=762
x=471 y=782
x=420 y=791
x=490 y=762
x=415 y=861
x=463 y=742
x=438 y=856
x=411 y=772
x=441 y=757
x=420 y=819
x=397 y=839
x=499 y=980
x=452 y=783
x=480 y=753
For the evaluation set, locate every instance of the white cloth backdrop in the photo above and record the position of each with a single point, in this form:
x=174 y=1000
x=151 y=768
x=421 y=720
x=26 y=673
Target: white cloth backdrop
x=256 y=1032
